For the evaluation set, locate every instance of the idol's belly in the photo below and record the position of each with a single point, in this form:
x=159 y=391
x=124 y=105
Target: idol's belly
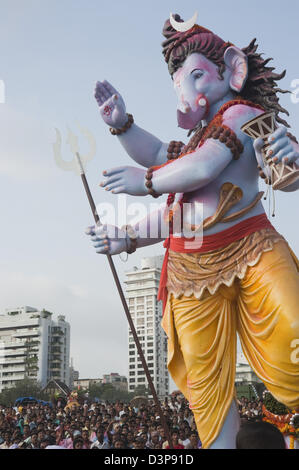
x=207 y=205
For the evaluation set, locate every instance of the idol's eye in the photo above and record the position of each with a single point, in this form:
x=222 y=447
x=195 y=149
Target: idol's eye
x=197 y=74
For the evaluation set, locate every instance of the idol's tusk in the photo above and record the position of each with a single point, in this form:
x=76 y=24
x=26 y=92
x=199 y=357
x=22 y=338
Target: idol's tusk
x=184 y=26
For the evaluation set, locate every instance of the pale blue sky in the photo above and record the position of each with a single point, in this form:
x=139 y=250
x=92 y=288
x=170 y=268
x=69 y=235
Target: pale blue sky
x=51 y=54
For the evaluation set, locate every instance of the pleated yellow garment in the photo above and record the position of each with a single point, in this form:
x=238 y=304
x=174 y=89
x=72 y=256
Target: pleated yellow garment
x=263 y=307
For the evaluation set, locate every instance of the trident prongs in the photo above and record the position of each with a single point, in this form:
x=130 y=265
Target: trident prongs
x=72 y=140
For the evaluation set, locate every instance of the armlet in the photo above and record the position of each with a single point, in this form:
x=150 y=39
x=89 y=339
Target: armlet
x=226 y=136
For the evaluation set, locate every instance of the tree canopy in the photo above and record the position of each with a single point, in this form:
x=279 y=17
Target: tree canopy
x=23 y=388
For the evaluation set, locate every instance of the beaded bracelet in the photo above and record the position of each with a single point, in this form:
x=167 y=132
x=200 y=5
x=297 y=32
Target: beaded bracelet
x=149 y=183
x=133 y=238
x=125 y=128
x=174 y=150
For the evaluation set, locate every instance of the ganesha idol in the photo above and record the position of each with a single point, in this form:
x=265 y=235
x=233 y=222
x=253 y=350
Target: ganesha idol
x=242 y=278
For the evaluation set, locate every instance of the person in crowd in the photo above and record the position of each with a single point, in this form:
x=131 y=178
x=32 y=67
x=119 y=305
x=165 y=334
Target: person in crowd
x=101 y=442
x=183 y=439
x=259 y=435
x=194 y=441
x=6 y=441
x=32 y=442
x=175 y=440
x=78 y=443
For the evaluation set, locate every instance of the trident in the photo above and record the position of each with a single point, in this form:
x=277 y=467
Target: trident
x=76 y=165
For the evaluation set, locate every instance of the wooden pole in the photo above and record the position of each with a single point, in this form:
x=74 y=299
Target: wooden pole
x=126 y=308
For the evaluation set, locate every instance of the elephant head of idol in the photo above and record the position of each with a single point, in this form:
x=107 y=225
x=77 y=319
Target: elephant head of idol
x=205 y=70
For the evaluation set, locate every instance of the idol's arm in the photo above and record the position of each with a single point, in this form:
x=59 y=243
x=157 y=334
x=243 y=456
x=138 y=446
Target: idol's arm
x=143 y=147
x=111 y=240
x=152 y=229
x=140 y=145
x=193 y=171
x=183 y=175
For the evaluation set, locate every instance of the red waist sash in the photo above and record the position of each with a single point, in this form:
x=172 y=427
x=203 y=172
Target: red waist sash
x=209 y=243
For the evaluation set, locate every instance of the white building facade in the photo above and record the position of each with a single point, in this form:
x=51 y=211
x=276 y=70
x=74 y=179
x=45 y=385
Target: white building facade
x=33 y=345
x=244 y=373
x=141 y=292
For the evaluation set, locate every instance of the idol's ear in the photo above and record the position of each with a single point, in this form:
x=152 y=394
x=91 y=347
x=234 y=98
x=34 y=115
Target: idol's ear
x=237 y=62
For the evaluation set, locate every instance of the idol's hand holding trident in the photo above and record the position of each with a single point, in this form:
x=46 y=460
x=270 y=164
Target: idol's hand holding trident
x=108 y=239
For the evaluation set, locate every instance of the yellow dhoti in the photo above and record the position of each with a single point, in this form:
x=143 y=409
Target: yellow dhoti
x=257 y=295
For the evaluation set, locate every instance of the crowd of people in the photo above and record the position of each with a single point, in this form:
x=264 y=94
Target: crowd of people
x=106 y=425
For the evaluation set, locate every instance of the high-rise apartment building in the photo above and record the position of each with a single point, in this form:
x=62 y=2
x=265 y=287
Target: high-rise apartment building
x=120 y=382
x=141 y=292
x=33 y=345
x=244 y=373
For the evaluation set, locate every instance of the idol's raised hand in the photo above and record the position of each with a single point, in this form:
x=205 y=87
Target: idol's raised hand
x=111 y=104
x=108 y=239
x=125 y=179
x=281 y=147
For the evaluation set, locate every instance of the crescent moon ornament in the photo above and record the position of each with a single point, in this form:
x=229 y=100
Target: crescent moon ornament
x=184 y=26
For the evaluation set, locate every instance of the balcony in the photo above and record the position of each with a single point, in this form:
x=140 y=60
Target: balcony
x=54 y=367
x=55 y=350
x=12 y=344
x=5 y=361
x=56 y=342
x=16 y=376
x=27 y=334
x=13 y=370
x=55 y=376
x=14 y=354
x=55 y=358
